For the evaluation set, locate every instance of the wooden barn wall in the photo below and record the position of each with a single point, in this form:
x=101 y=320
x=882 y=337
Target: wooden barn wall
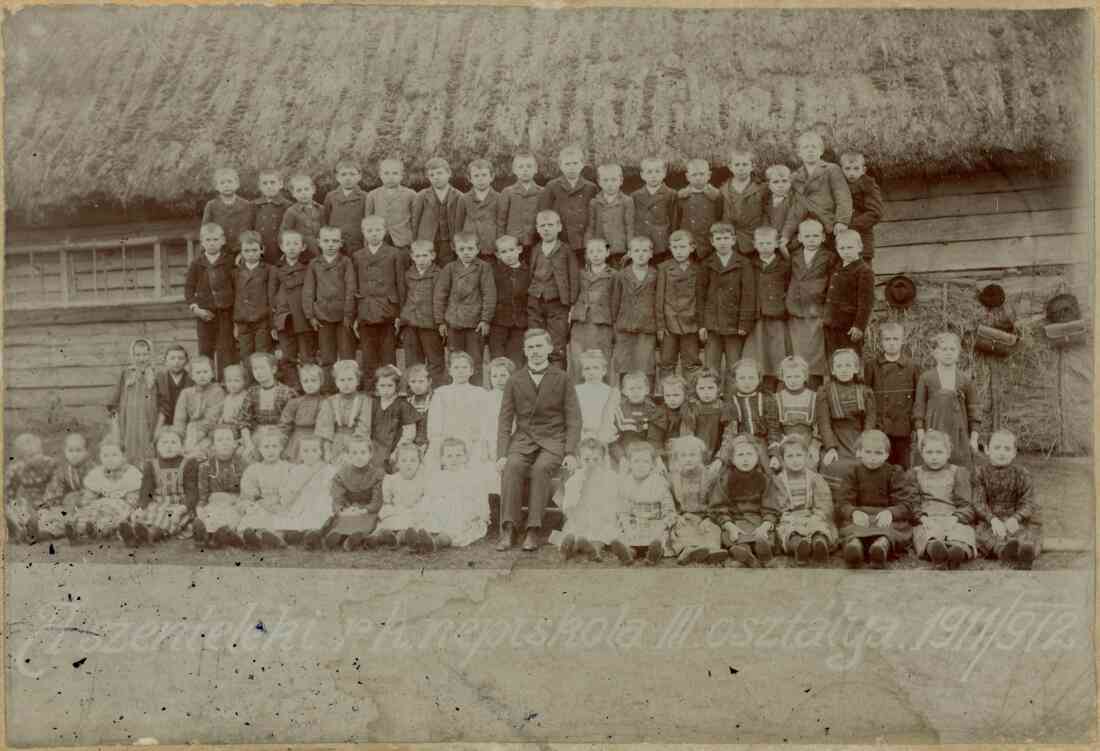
x=1029 y=234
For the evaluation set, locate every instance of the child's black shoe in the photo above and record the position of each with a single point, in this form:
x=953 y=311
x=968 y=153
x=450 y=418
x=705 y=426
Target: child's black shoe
x=1027 y=556
x=199 y=533
x=690 y=555
x=312 y=540
x=252 y=540
x=387 y=538
x=853 y=553
x=353 y=542
x=1011 y=550
x=622 y=552
x=879 y=552
x=271 y=541
x=567 y=547
x=820 y=550
x=937 y=552
x=717 y=557
x=653 y=553
x=743 y=555
x=424 y=542
x=802 y=550
x=229 y=538
x=956 y=555
x=333 y=541
x=763 y=552
x=293 y=537
x=126 y=532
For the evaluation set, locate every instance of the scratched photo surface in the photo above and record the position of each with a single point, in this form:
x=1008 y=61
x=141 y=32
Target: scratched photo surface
x=569 y=509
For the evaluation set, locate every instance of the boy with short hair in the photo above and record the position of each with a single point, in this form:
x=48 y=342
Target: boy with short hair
x=768 y=343
x=1009 y=525
x=306 y=216
x=379 y=284
x=678 y=310
x=849 y=298
x=872 y=517
x=290 y=325
x=228 y=210
x=65 y=490
x=634 y=310
x=698 y=206
x=519 y=203
x=420 y=338
x=743 y=198
x=208 y=292
x=727 y=299
x=464 y=301
x=328 y=298
x=393 y=202
x=611 y=214
x=867 y=206
x=654 y=207
x=170 y=383
x=822 y=186
x=553 y=288
x=252 y=307
x=783 y=209
x=810 y=269
x=893 y=377
x=569 y=196
x=346 y=205
x=591 y=315
x=478 y=209
x=435 y=211
x=271 y=205
x=512 y=279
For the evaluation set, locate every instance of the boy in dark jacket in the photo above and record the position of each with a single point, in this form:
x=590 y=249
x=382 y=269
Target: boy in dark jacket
x=654 y=208
x=435 y=211
x=678 y=310
x=228 y=210
x=346 y=205
x=893 y=377
x=553 y=285
x=420 y=338
x=305 y=216
x=634 y=310
x=519 y=203
x=871 y=513
x=769 y=343
x=328 y=298
x=379 y=282
x=698 y=206
x=208 y=292
x=478 y=210
x=592 y=323
x=252 y=306
x=512 y=278
x=271 y=205
x=728 y=300
x=568 y=196
x=297 y=339
x=743 y=199
x=464 y=300
x=850 y=297
x=867 y=206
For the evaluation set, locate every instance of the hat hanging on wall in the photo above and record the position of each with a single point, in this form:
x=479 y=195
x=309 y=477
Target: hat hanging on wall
x=1063 y=308
x=900 y=291
x=1064 y=326
x=991 y=296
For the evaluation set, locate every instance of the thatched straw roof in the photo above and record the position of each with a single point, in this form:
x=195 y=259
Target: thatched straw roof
x=124 y=106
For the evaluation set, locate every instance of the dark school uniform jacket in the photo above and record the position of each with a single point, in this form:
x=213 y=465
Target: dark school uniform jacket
x=895 y=387
x=634 y=301
x=728 y=295
x=571 y=203
x=827 y=196
x=806 y=291
x=784 y=214
x=745 y=211
x=479 y=216
x=306 y=219
x=611 y=222
x=268 y=221
x=594 y=294
x=346 y=211
x=867 y=211
x=379 y=283
x=285 y=294
x=417 y=306
x=566 y=271
x=209 y=285
x=696 y=211
x=511 y=285
x=168 y=393
x=678 y=309
x=328 y=293
x=771 y=286
x=359 y=487
x=516 y=212
x=870 y=491
x=234 y=218
x=654 y=214
x=543 y=417
x=850 y=296
x=252 y=303
x=465 y=295
x=426 y=218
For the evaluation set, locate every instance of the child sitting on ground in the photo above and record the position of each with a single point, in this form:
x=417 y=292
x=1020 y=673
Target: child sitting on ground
x=356 y=497
x=218 y=495
x=299 y=418
x=799 y=507
x=110 y=495
x=266 y=492
x=1009 y=525
x=870 y=510
x=694 y=537
x=457 y=500
x=310 y=488
x=162 y=510
x=589 y=514
x=198 y=409
x=938 y=496
x=737 y=505
x=627 y=417
x=65 y=489
x=403 y=512
x=344 y=415
x=457 y=411
x=25 y=487
x=644 y=508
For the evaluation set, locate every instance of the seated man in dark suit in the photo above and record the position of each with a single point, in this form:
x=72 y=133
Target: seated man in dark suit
x=541 y=403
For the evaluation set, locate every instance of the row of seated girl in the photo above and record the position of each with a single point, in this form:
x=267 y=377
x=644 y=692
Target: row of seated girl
x=742 y=515
x=226 y=500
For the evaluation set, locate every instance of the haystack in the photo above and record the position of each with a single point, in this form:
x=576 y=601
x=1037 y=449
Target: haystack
x=154 y=98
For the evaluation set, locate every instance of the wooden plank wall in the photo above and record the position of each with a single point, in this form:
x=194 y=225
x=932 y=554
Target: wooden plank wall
x=1031 y=235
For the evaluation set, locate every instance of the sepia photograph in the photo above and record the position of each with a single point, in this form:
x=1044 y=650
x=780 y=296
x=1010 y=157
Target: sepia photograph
x=548 y=374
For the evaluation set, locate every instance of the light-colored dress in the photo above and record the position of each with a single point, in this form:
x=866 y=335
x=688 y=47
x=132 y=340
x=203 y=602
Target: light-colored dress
x=403 y=503
x=311 y=488
x=936 y=497
x=458 y=505
x=593 y=399
x=458 y=411
x=803 y=506
x=645 y=510
x=197 y=412
x=589 y=504
x=114 y=494
x=267 y=492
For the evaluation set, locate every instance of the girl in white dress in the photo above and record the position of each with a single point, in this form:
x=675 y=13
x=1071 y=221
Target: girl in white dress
x=403 y=511
x=457 y=500
x=310 y=485
x=458 y=411
x=266 y=491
